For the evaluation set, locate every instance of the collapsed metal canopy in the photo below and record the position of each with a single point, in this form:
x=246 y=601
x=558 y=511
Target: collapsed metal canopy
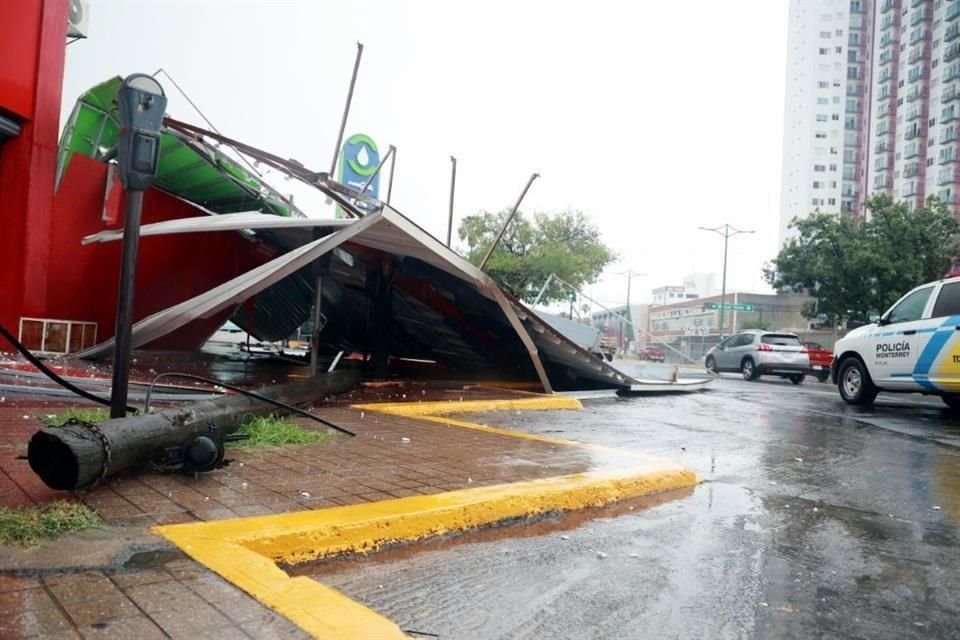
x=443 y=308
x=189 y=169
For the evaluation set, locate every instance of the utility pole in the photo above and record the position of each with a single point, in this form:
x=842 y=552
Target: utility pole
x=727 y=232
x=453 y=188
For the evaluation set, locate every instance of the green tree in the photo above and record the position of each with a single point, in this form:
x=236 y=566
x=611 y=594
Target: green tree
x=566 y=244
x=853 y=268
x=756 y=323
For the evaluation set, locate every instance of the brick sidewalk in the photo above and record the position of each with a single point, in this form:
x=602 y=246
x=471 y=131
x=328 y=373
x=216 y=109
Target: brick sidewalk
x=390 y=457
x=179 y=600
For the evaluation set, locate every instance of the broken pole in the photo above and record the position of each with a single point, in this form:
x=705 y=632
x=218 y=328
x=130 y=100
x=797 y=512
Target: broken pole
x=453 y=188
x=506 y=224
x=393 y=165
x=346 y=111
x=76 y=456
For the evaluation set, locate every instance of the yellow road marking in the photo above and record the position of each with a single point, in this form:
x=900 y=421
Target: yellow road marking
x=245 y=550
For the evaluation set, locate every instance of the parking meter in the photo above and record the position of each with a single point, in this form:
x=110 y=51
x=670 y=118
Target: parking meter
x=142 y=103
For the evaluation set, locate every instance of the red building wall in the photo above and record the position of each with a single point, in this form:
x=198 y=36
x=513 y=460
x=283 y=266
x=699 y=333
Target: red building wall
x=44 y=270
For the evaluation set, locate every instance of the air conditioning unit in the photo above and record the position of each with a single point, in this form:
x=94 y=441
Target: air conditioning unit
x=78 y=19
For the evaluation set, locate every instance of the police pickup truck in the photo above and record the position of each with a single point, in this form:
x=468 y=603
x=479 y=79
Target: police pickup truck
x=915 y=347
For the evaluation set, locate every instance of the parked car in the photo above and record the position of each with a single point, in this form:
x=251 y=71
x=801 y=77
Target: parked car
x=915 y=347
x=756 y=353
x=653 y=354
x=820 y=360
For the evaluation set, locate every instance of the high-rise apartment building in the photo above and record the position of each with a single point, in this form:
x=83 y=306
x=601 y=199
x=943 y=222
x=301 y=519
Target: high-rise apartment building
x=915 y=94
x=827 y=108
x=872 y=104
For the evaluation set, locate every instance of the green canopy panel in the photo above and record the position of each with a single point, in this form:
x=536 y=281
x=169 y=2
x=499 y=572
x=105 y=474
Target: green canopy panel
x=189 y=168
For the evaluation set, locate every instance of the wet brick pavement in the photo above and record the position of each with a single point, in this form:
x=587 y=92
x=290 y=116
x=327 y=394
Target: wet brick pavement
x=178 y=600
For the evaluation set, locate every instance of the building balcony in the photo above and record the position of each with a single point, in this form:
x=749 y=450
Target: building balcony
x=917 y=35
x=918 y=16
x=949 y=114
x=916 y=54
x=886 y=40
x=947 y=196
x=952 y=32
x=916 y=73
x=855 y=89
x=911 y=151
x=880 y=147
x=887 y=56
x=953 y=10
x=912 y=133
x=916 y=94
x=947 y=176
x=913 y=114
x=953 y=51
x=911 y=170
x=886 y=6
x=950 y=93
x=909 y=191
x=949 y=135
x=946 y=156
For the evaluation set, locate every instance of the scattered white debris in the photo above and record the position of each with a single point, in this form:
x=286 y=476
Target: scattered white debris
x=815 y=509
x=244 y=485
x=630 y=508
x=50 y=416
x=26 y=417
x=936 y=507
x=3 y=398
x=798 y=459
x=773 y=482
x=405 y=440
x=379 y=586
x=564 y=537
x=206 y=498
x=305 y=494
x=601 y=555
x=634 y=555
x=461 y=398
x=404 y=396
x=362 y=414
x=470 y=481
x=764 y=604
x=240 y=464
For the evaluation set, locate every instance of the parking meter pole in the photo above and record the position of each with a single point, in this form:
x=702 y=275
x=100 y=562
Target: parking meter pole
x=723 y=286
x=141 y=104
x=133 y=205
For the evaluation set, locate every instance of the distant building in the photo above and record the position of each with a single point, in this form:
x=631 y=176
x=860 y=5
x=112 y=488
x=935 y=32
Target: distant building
x=635 y=329
x=701 y=317
x=695 y=285
x=827 y=108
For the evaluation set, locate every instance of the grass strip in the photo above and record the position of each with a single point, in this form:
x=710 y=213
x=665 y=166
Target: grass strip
x=271 y=431
x=31 y=525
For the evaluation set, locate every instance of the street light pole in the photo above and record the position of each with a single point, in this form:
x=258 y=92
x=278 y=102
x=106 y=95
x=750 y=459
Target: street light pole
x=727 y=232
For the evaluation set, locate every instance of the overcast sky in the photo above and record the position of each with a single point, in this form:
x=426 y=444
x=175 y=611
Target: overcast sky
x=653 y=117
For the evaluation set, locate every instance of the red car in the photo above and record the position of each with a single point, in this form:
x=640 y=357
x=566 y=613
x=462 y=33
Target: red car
x=820 y=360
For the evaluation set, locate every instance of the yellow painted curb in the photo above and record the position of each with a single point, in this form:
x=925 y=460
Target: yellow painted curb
x=244 y=550
x=537 y=403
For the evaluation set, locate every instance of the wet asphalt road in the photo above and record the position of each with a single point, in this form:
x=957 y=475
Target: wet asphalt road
x=815 y=520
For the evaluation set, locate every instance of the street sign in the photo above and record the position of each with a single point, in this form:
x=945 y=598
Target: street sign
x=359 y=160
x=731 y=306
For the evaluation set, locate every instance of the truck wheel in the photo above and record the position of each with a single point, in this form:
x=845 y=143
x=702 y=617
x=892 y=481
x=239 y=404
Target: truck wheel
x=711 y=364
x=796 y=378
x=855 y=384
x=749 y=370
x=823 y=376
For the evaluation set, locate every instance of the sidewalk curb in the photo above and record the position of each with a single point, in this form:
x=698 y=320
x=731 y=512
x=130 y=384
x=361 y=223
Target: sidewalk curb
x=245 y=551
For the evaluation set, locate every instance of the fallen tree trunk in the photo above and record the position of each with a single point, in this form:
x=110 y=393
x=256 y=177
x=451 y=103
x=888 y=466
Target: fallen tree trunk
x=76 y=456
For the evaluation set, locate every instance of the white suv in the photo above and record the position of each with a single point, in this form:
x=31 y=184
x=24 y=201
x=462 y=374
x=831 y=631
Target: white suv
x=915 y=347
